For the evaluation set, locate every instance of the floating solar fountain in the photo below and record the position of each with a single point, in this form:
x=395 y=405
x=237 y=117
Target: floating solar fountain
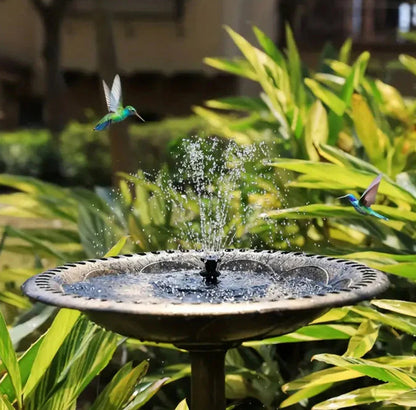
x=207 y=301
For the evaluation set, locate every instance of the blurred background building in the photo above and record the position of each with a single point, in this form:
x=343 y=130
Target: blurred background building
x=160 y=46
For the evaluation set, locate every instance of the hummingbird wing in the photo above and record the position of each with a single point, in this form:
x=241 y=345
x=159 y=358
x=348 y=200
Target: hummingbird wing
x=116 y=92
x=108 y=98
x=369 y=196
x=113 y=97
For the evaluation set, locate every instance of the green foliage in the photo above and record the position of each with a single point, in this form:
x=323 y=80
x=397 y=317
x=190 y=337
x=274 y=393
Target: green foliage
x=56 y=368
x=330 y=132
x=182 y=405
x=85 y=154
x=336 y=129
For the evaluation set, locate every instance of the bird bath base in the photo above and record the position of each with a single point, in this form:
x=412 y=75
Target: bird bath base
x=164 y=297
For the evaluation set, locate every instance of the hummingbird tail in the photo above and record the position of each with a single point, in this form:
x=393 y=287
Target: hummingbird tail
x=102 y=125
x=379 y=216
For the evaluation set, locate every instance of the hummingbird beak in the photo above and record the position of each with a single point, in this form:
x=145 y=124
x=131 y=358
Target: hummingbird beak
x=340 y=197
x=137 y=114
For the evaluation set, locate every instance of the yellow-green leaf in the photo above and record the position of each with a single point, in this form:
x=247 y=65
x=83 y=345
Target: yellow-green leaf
x=303 y=394
x=116 y=249
x=331 y=316
x=182 y=405
x=407 y=399
x=393 y=102
x=406 y=324
x=409 y=62
x=316 y=129
x=372 y=369
x=374 y=141
x=363 y=340
x=236 y=66
x=407 y=270
x=319 y=175
x=331 y=375
x=398 y=306
x=51 y=343
x=365 y=395
x=118 y=392
x=326 y=96
x=5 y=404
x=9 y=360
x=310 y=333
x=345 y=51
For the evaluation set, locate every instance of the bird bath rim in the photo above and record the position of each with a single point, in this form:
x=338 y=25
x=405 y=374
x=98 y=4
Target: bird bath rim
x=45 y=288
x=207 y=330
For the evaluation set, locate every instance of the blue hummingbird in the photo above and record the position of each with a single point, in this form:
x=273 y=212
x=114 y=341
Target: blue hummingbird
x=116 y=111
x=367 y=199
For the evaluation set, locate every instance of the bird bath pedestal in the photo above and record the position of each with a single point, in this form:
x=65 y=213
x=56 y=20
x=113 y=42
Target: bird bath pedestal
x=168 y=297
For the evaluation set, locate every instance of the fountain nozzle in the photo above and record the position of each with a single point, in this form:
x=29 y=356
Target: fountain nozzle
x=210 y=273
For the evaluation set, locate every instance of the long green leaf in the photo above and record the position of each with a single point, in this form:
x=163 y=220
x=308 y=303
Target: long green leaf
x=336 y=211
x=310 y=333
x=34 y=186
x=25 y=366
x=399 y=306
x=237 y=104
x=340 y=176
x=268 y=74
x=173 y=372
x=145 y=394
x=116 y=249
x=237 y=67
x=394 y=104
x=372 y=369
x=322 y=377
x=118 y=392
x=74 y=346
x=9 y=359
x=24 y=329
x=38 y=245
x=269 y=47
x=11 y=298
x=373 y=257
x=407 y=399
x=365 y=395
x=333 y=315
x=89 y=364
x=406 y=270
x=406 y=324
x=326 y=96
x=363 y=340
x=337 y=374
x=345 y=51
x=294 y=65
x=5 y=404
x=316 y=129
x=409 y=62
x=304 y=394
x=182 y=405
x=339 y=157
x=374 y=141
x=51 y=343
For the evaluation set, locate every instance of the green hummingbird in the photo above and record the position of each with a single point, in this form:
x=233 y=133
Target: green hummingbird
x=367 y=199
x=116 y=110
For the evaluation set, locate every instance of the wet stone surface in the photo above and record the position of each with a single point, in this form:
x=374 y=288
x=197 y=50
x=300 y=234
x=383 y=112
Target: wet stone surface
x=187 y=286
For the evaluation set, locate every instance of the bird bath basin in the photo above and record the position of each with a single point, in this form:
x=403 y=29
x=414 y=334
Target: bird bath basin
x=167 y=297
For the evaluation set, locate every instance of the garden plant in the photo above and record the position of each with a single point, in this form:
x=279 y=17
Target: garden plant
x=328 y=132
